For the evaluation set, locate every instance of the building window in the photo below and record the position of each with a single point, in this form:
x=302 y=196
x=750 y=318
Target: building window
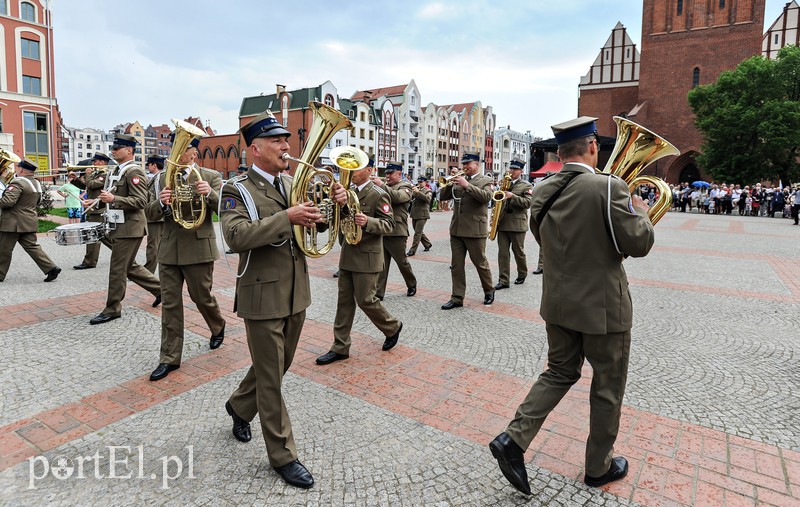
x=3 y=7
x=776 y=39
x=36 y=145
x=27 y=12
x=352 y=114
x=30 y=49
x=680 y=7
x=329 y=100
x=80 y=146
x=696 y=77
x=97 y=147
x=721 y=4
x=31 y=85
x=285 y=110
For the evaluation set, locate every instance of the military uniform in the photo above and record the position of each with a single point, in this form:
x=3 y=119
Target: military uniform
x=272 y=294
x=585 y=302
x=124 y=238
x=420 y=214
x=94 y=185
x=469 y=228
x=186 y=256
x=154 y=226
x=511 y=231
x=395 y=242
x=359 y=267
x=19 y=223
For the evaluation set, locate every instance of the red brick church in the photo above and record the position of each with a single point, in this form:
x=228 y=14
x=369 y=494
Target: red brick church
x=685 y=43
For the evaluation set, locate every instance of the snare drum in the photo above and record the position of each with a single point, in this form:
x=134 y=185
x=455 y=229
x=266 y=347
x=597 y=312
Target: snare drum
x=79 y=234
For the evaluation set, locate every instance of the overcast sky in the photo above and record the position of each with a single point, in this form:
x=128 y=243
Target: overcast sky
x=152 y=60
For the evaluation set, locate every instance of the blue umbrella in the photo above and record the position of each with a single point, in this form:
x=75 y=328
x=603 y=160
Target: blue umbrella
x=701 y=184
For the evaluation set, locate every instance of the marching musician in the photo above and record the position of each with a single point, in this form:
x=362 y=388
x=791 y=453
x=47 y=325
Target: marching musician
x=420 y=213
x=394 y=243
x=19 y=222
x=185 y=256
x=94 y=180
x=586 y=223
x=359 y=268
x=272 y=289
x=512 y=226
x=124 y=197
x=154 y=166
x=469 y=227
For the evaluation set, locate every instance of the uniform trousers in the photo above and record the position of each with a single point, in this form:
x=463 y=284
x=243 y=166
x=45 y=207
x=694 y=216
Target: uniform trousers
x=123 y=267
x=516 y=242
x=394 y=247
x=272 y=344
x=359 y=289
x=92 y=249
x=419 y=234
x=459 y=248
x=27 y=240
x=199 y=279
x=608 y=356
x=153 y=240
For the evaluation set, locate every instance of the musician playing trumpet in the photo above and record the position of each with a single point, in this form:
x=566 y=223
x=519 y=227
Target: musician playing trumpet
x=420 y=213
x=512 y=226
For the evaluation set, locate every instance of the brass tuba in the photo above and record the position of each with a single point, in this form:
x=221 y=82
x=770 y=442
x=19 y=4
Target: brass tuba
x=188 y=207
x=7 y=159
x=316 y=185
x=636 y=148
x=498 y=197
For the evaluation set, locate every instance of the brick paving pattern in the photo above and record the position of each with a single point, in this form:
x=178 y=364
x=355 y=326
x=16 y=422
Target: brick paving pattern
x=710 y=416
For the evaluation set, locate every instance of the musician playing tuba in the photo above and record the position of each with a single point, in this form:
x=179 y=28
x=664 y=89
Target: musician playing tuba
x=272 y=290
x=512 y=226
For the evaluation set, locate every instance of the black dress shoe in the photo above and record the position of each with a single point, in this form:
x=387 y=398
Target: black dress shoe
x=538 y=271
x=83 y=265
x=428 y=249
x=411 y=291
x=501 y=286
x=216 y=340
x=451 y=304
x=331 y=357
x=336 y=275
x=241 y=428
x=519 y=281
x=489 y=298
x=52 y=274
x=162 y=370
x=103 y=318
x=617 y=470
x=410 y=253
x=157 y=301
x=512 y=462
x=295 y=474
x=391 y=341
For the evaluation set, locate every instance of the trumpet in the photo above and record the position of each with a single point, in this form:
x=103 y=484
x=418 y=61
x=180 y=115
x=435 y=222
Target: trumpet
x=448 y=180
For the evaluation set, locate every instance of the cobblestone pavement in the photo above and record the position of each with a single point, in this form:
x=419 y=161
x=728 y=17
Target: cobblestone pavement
x=710 y=413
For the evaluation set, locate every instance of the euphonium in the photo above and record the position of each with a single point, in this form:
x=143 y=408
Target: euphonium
x=7 y=159
x=188 y=207
x=316 y=185
x=636 y=148
x=499 y=197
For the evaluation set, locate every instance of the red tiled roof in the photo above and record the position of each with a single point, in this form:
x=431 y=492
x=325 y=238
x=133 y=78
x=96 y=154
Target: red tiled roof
x=377 y=92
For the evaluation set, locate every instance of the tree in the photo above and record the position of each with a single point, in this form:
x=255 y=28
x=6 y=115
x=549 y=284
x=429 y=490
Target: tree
x=750 y=120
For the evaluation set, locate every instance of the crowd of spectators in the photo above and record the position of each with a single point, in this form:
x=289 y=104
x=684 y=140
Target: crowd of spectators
x=722 y=199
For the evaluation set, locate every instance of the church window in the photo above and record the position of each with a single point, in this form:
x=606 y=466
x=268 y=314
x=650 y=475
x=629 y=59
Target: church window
x=680 y=7
x=696 y=77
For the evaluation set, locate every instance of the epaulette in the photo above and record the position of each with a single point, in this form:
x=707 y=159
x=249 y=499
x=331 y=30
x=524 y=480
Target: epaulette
x=380 y=189
x=237 y=178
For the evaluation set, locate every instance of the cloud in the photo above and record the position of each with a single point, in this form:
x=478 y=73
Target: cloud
x=433 y=10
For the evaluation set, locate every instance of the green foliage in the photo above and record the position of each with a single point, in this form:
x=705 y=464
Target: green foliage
x=750 y=120
x=59 y=212
x=46 y=203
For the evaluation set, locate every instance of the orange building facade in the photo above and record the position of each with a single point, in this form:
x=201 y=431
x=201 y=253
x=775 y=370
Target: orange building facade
x=30 y=121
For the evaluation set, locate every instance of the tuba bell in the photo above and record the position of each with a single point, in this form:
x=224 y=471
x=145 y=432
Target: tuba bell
x=316 y=185
x=636 y=148
x=7 y=160
x=188 y=207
